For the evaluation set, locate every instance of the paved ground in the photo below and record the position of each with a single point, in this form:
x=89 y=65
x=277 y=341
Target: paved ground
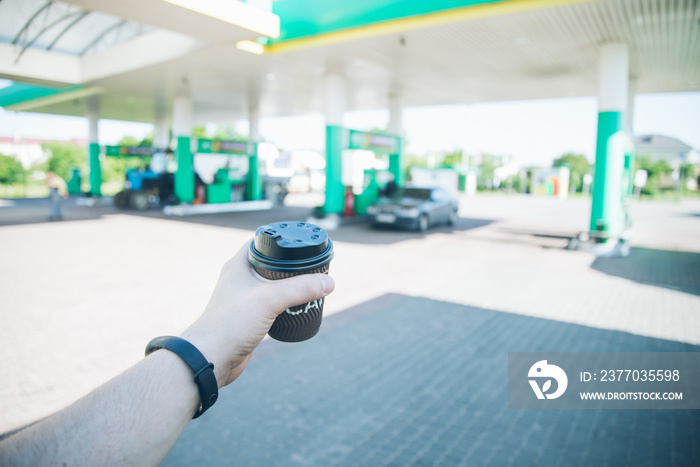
x=423 y=382
x=410 y=365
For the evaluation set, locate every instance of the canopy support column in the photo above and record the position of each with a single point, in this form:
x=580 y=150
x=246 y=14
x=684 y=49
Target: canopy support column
x=93 y=116
x=335 y=107
x=182 y=129
x=161 y=134
x=607 y=215
x=396 y=128
x=254 y=188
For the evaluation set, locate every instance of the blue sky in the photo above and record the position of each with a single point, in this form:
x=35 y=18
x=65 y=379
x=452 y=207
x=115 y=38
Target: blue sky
x=535 y=132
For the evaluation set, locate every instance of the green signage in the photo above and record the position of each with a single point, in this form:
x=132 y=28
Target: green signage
x=135 y=151
x=218 y=146
x=374 y=142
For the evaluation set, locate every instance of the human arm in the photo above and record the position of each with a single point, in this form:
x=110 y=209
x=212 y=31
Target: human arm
x=137 y=417
x=62 y=188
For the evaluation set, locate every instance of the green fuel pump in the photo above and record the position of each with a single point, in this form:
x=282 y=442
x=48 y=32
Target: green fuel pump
x=339 y=139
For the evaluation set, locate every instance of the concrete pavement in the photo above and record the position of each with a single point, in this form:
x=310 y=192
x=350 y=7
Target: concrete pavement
x=380 y=384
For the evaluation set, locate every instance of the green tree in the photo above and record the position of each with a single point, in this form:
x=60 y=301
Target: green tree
x=579 y=166
x=228 y=133
x=655 y=170
x=517 y=182
x=222 y=132
x=200 y=131
x=147 y=141
x=11 y=170
x=452 y=159
x=687 y=171
x=128 y=141
x=64 y=156
x=659 y=168
x=410 y=161
x=487 y=167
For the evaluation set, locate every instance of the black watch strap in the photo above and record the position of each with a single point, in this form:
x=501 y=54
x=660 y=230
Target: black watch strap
x=202 y=369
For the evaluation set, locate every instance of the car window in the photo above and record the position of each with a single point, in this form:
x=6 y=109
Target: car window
x=440 y=195
x=414 y=193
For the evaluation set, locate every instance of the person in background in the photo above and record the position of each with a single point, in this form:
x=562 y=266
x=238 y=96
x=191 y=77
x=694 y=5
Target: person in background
x=57 y=190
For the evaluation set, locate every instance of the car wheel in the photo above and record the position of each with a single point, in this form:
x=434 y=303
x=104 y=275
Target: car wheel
x=423 y=223
x=121 y=200
x=139 y=201
x=452 y=219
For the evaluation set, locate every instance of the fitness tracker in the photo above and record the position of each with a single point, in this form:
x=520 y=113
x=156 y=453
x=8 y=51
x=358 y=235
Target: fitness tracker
x=203 y=370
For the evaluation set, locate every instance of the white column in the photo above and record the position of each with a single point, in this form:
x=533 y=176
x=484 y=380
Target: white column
x=395 y=114
x=630 y=155
x=254 y=118
x=161 y=134
x=335 y=99
x=631 y=95
x=335 y=105
x=613 y=78
x=93 y=116
x=183 y=115
x=607 y=217
x=254 y=183
x=467 y=119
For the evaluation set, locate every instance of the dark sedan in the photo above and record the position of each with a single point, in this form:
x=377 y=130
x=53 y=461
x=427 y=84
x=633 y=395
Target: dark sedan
x=415 y=208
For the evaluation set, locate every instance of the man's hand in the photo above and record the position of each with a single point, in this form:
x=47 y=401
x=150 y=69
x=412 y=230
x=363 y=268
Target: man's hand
x=242 y=309
x=136 y=418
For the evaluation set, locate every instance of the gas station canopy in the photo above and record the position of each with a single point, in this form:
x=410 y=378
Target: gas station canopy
x=136 y=54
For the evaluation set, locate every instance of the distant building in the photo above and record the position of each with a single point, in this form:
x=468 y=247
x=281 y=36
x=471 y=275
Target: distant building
x=673 y=151
x=551 y=182
x=28 y=150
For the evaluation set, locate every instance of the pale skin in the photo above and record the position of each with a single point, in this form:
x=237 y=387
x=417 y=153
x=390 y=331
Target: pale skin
x=136 y=418
x=53 y=180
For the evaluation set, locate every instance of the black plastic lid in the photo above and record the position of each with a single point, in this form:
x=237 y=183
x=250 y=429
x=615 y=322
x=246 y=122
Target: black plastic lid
x=290 y=246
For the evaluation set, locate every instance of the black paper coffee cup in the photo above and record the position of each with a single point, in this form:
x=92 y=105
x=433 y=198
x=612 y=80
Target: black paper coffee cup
x=286 y=249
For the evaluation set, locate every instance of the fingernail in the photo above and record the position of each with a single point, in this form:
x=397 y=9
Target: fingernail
x=328 y=285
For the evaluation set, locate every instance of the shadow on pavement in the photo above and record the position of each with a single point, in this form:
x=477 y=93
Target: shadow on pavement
x=36 y=211
x=363 y=233
x=676 y=270
x=550 y=235
x=548 y=240
x=407 y=380
x=355 y=231
x=247 y=220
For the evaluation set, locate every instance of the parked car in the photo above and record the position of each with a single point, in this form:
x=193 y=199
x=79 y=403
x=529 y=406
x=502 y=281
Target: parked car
x=414 y=208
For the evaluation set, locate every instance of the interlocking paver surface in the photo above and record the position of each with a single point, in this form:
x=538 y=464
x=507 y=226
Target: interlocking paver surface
x=423 y=382
x=410 y=366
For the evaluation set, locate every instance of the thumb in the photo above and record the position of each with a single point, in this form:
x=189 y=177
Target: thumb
x=297 y=290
